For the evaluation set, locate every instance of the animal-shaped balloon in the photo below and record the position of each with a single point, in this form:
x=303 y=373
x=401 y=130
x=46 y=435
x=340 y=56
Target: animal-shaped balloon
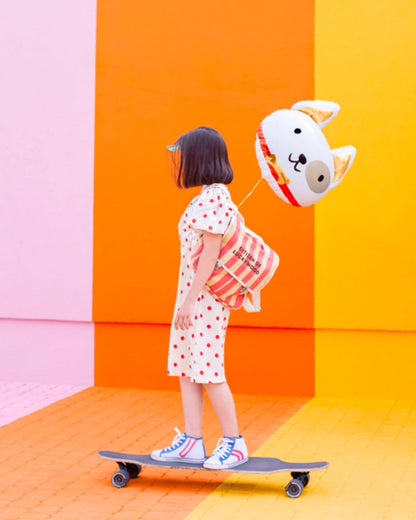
x=294 y=155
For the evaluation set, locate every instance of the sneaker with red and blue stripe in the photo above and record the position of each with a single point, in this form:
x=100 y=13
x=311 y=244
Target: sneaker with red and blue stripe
x=184 y=448
x=230 y=452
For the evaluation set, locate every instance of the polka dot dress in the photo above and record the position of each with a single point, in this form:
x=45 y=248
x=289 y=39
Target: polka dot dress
x=198 y=353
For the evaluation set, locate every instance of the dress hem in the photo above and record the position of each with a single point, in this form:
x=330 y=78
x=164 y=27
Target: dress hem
x=193 y=380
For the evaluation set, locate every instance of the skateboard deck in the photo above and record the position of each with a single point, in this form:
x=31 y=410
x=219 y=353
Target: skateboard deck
x=131 y=465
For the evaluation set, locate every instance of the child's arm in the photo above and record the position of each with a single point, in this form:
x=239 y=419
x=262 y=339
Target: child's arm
x=207 y=261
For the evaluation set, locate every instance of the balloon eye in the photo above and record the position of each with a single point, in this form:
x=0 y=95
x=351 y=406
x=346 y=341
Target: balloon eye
x=298 y=131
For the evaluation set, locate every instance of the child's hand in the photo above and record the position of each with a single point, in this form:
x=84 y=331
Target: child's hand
x=207 y=261
x=183 y=318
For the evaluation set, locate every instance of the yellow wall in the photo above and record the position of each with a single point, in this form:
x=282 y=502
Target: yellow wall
x=365 y=243
x=365 y=235
x=365 y=364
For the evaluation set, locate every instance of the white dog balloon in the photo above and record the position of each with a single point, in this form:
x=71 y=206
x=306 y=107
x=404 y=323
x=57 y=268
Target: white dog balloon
x=294 y=155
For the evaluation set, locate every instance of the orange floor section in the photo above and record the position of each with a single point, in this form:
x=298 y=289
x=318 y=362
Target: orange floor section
x=50 y=467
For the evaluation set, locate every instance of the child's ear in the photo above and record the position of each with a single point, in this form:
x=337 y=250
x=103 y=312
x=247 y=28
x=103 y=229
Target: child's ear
x=343 y=159
x=322 y=112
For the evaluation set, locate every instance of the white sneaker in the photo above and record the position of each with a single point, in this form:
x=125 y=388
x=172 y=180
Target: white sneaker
x=183 y=449
x=230 y=452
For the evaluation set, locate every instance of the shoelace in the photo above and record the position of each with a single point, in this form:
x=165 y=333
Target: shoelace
x=177 y=440
x=224 y=448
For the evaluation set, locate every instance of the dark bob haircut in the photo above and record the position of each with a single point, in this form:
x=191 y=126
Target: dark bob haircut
x=202 y=158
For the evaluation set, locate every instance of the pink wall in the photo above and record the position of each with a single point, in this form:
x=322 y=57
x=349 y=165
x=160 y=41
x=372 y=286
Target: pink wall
x=47 y=51
x=47 y=59
x=47 y=352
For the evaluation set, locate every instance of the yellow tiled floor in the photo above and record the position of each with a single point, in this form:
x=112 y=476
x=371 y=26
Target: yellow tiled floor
x=371 y=447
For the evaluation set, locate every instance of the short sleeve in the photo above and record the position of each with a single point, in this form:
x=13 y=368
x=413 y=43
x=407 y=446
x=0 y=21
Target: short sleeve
x=212 y=210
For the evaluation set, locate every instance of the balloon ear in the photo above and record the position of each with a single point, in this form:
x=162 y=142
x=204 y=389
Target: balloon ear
x=320 y=111
x=343 y=159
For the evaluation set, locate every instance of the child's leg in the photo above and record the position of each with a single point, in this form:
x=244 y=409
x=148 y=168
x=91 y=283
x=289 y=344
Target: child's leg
x=223 y=403
x=231 y=450
x=193 y=405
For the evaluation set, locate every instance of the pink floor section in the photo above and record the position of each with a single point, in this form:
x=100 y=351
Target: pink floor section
x=20 y=399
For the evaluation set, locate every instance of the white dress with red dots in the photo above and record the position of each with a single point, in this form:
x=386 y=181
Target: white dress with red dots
x=198 y=352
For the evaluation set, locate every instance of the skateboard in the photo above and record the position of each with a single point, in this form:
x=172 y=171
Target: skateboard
x=130 y=467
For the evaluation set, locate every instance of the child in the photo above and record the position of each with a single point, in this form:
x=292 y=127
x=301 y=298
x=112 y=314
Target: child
x=196 y=349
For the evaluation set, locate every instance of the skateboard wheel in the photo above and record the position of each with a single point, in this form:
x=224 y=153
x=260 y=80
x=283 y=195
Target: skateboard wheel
x=133 y=469
x=294 y=488
x=120 y=478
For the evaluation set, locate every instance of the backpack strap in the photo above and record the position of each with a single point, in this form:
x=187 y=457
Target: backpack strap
x=252 y=305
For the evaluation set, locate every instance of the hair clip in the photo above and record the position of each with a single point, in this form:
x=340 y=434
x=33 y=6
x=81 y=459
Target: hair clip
x=173 y=148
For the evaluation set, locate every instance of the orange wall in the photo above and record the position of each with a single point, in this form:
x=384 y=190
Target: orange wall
x=258 y=360
x=164 y=68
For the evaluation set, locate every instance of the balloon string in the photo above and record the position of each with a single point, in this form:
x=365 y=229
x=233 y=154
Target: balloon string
x=247 y=196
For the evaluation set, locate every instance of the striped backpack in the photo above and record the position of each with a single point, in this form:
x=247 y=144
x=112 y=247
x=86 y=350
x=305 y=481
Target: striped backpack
x=245 y=265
